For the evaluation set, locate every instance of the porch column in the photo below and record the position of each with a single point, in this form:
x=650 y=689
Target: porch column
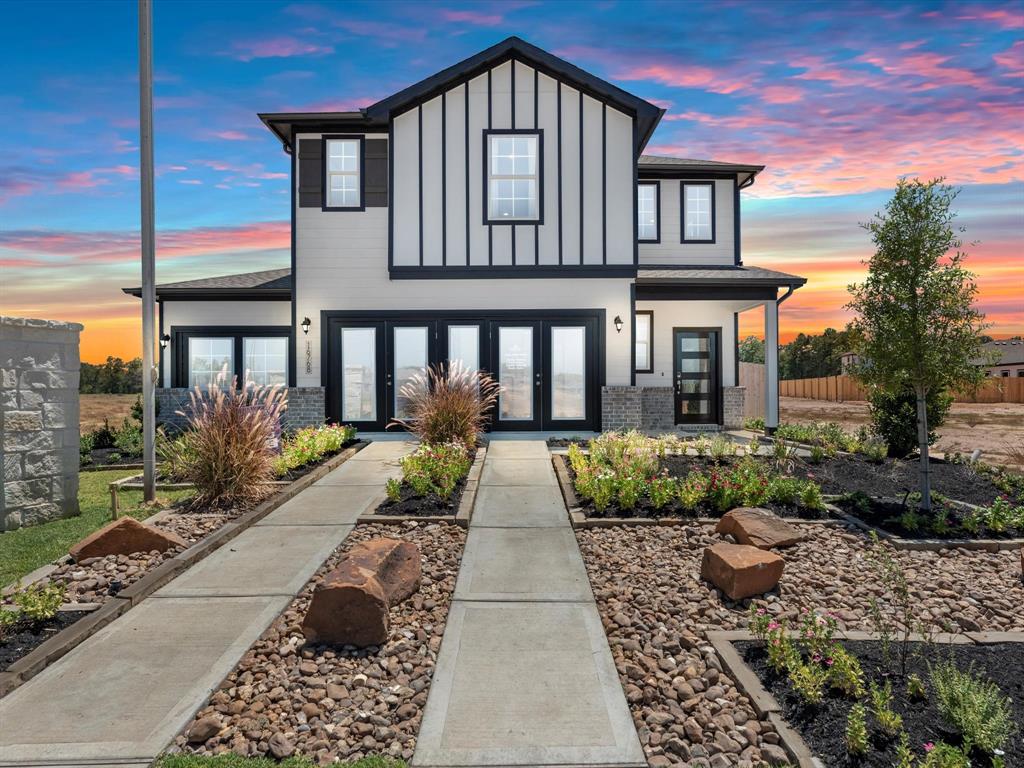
x=771 y=366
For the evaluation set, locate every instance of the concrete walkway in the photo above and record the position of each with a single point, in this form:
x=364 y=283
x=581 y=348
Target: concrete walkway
x=120 y=697
x=525 y=675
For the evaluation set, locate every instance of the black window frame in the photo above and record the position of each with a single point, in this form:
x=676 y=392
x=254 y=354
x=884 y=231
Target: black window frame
x=683 y=184
x=325 y=177
x=180 y=335
x=657 y=210
x=485 y=182
x=650 y=341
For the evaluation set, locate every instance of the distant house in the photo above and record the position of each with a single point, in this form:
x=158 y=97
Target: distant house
x=1010 y=360
x=848 y=361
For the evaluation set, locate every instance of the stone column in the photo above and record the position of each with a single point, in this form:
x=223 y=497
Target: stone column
x=39 y=372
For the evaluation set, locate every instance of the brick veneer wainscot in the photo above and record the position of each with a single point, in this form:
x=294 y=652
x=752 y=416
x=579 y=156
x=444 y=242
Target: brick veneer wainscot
x=652 y=409
x=305 y=408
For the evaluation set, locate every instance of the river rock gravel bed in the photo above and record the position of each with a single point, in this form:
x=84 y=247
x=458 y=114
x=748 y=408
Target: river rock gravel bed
x=657 y=611
x=97 y=579
x=288 y=698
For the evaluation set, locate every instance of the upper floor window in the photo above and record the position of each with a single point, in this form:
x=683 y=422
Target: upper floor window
x=513 y=162
x=698 y=211
x=343 y=172
x=647 y=204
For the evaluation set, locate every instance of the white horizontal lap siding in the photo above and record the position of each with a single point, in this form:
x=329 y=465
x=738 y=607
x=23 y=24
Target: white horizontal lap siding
x=219 y=313
x=587 y=184
x=670 y=250
x=689 y=314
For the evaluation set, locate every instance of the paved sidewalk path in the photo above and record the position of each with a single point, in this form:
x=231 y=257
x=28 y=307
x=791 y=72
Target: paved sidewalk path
x=525 y=675
x=121 y=696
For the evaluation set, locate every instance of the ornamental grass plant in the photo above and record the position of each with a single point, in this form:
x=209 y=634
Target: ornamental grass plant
x=447 y=403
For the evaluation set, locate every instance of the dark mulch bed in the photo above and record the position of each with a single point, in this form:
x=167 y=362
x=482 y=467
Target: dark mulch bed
x=886 y=514
x=24 y=636
x=430 y=505
x=894 y=478
x=823 y=727
x=102 y=457
x=681 y=466
x=305 y=469
x=565 y=442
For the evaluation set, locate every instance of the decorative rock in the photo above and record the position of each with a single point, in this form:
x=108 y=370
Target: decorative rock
x=740 y=570
x=351 y=605
x=125 y=537
x=203 y=729
x=758 y=528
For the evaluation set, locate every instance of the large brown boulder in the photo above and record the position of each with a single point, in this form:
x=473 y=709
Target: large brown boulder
x=758 y=528
x=125 y=537
x=350 y=606
x=740 y=570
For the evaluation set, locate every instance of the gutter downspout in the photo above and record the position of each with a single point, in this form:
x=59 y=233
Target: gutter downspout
x=789 y=292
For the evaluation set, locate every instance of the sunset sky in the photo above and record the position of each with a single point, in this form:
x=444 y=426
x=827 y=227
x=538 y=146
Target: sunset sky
x=837 y=100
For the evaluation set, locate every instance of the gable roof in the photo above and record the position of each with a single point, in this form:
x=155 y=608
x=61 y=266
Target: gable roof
x=651 y=166
x=1010 y=351
x=378 y=115
x=267 y=284
x=724 y=275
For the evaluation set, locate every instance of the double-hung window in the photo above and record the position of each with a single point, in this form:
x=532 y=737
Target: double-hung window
x=266 y=360
x=210 y=356
x=698 y=211
x=513 y=161
x=644 y=319
x=211 y=361
x=343 y=172
x=647 y=204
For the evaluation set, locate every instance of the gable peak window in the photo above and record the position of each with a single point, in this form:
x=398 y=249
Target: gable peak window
x=343 y=172
x=698 y=211
x=647 y=203
x=513 y=166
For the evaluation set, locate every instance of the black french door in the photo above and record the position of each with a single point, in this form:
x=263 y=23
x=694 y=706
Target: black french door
x=548 y=368
x=697 y=374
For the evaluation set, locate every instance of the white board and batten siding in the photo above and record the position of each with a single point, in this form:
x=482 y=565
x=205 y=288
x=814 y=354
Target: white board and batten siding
x=588 y=201
x=670 y=251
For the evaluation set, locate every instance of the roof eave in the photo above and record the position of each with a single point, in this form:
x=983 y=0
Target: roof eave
x=181 y=294
x=795 y=282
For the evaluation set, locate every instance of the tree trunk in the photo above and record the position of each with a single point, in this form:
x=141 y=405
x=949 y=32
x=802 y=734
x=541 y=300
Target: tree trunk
x=922 y=440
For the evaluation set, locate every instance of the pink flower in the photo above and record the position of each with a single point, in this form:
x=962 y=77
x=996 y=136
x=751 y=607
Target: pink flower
x=928 y=746
x=829 y=661
x=773 y=625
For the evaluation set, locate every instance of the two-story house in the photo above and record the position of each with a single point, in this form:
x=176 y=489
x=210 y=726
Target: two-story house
x=501 y=213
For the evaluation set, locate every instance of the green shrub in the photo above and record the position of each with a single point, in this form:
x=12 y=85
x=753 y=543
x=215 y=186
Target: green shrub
x=436 y=469
x=808 y=680
x=39 y=602
x=310 y=445
x=894 y=417
x=448 y=403
x=857 y=730
x=889 y=721
x=393 y=488
x=103 y=437
x=944 y=755
x=973 y=706
x=7 y=620
x=754 y=425
x=85 y=444
x=128 y=439
x=227 y=452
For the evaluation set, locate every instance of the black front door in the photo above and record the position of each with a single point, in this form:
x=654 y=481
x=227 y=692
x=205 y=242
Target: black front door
x=516 y=364
x=697 y=372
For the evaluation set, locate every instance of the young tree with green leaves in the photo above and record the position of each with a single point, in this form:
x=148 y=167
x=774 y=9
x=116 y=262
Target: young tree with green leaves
x=915 y=311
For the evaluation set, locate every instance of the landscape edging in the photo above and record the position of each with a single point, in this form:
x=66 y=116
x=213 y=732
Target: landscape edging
x=462 y=516
x=64 y=641
x=766 y=705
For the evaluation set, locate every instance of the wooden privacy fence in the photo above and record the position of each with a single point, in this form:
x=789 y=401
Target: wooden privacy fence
x=842 y=388
x=752 y=377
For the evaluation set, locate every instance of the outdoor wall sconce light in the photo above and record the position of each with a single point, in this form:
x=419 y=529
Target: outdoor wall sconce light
x=305 y=325
x=618 y=324
x=165 y=340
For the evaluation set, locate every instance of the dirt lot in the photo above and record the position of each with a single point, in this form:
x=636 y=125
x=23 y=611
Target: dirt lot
x=95 y=408
x=996 y=428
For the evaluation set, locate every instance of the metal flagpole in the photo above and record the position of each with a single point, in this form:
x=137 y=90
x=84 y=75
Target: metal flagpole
x=148 y=247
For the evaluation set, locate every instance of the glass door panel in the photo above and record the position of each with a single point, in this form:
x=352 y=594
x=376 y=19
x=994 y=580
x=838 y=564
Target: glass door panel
x=359 y=374
x=517 y=367
x=410 y=356
x=568 y=373
x=697 y=375
x=464 y=346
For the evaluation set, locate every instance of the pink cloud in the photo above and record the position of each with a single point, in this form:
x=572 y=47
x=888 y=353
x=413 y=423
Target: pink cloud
x=232 y=135
x=1012 y=59
x=1003 y=19
x=472 y=17
x=281 y=46
x=682 y=76
x=781 y=94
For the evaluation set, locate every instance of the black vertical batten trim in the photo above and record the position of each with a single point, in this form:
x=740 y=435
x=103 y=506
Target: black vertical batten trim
x=604 y=183
x=487 y=160
x=736 y=347
x=295 y=277
x=419 y=158
x=582 y=259
x=558 y=107
x=512 y=89
x=391 y=208
x=736 y=222
x=444 y=182
x=536 y=124
x=160 y=306
x=466 y=120
x=632 y=335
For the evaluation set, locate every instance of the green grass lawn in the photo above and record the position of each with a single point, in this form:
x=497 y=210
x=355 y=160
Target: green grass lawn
x=25 y=549
x=233 y=761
